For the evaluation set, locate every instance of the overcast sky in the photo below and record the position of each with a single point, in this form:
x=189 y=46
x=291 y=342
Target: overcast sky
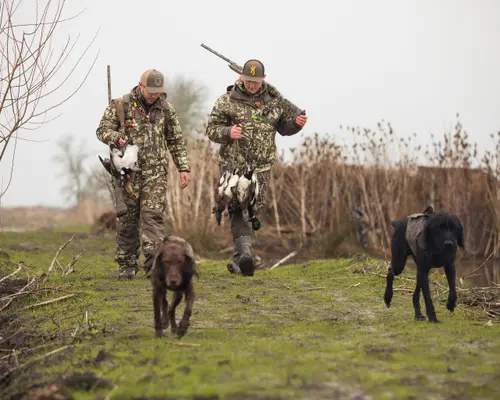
x=415 y=63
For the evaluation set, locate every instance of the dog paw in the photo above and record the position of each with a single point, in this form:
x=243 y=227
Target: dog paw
x=420 y=317
x=387 y=299
x=158 y=333
x=434 y=320
x=182 y=329
x=450 y=306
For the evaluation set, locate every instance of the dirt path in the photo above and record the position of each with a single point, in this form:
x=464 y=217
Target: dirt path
x=317 y=330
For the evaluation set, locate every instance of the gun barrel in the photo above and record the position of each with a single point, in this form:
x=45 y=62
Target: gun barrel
x=216 y=53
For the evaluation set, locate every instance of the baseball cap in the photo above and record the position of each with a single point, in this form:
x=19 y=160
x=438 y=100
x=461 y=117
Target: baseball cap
x=253 y=70
x=153 y=80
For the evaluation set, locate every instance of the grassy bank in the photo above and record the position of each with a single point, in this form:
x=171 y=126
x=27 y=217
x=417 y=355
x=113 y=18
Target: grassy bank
x=317 y=330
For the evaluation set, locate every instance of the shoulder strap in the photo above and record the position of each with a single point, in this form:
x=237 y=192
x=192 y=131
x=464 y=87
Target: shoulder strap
x=121 y=109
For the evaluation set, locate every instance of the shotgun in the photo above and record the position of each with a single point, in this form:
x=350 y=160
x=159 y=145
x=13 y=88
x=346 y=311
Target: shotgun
x=239 y=69
x=120 y=207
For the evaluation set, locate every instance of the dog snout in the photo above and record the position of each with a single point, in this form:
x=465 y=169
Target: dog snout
x=448 y=242
x=172 y=282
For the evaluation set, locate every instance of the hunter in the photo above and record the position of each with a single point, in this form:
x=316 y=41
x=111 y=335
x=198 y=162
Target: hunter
x=244 y=121
x=151 y=122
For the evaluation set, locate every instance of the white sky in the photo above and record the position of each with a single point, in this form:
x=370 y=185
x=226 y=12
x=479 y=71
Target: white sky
x=414 y=63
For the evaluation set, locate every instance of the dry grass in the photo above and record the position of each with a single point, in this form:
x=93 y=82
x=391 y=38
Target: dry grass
x=312 y=197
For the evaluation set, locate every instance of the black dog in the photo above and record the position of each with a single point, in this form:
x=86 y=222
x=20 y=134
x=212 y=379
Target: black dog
x=432 y=240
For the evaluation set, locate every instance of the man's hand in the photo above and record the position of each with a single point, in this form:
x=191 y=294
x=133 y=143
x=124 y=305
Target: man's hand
x=184 y=179
x=122 y=142
x=301 y=120
x=235 y=132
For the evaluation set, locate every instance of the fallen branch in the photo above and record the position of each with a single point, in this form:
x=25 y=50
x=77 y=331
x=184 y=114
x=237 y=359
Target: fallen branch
x=6 y=305
x=20 y=292
x=183 y=344
x=55 y=257
x=468 y=275
x=313 y=288
x=292 y=254
x=44 y=303
x=109 y=397
x=19 y=268
x=69 y=268
x=43 y=356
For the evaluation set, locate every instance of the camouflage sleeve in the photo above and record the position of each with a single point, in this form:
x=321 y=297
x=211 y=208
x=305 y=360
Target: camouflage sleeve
x=219 y=123
x=286 y=124
x=107 y=131
x=175 y=140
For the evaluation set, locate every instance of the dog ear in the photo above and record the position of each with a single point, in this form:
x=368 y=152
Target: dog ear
x=460 y=232
x=429 y=210
x=157 y=267
x=189 y=263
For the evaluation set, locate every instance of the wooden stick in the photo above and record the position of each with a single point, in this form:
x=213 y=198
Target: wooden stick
x=20 y=292
x=109 y=84
x=14 y=273
x=69 y=268
x=36 y=359
x=183 y=344
x=55 y=257
x=469 y=275
x=292 y=254
x=44 y=303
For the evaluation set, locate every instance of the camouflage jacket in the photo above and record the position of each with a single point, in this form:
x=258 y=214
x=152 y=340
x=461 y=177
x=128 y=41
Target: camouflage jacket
x=156 y=132
x=260 y=116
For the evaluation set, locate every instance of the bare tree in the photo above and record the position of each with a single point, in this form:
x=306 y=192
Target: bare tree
x=72 y=157
x=29 y=64
x=98 y=185
x=188 y=98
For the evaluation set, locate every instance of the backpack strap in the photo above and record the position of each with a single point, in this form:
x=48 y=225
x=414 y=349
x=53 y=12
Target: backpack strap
x=121 y=110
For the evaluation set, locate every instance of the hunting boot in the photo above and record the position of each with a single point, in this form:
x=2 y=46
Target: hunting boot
x=126 y=271
x=246 y=260
x=129 y=271
x=233 y=266
x=241 y=230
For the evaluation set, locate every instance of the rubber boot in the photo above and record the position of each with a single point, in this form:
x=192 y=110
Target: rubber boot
x=233 y=266
x=246 y=260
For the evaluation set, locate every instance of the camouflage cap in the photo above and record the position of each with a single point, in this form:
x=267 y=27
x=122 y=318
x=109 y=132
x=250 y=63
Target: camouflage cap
x=253 y=70
x=153 y=81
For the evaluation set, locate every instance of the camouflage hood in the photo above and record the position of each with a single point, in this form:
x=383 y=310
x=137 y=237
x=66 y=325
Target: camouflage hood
x=155 y=128
x=260 y=116
x=238 y=92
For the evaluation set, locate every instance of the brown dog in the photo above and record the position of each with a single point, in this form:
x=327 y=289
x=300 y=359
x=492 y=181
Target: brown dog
x=173 y=269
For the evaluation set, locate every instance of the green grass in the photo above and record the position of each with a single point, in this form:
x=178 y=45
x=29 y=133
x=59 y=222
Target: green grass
x=315 y=330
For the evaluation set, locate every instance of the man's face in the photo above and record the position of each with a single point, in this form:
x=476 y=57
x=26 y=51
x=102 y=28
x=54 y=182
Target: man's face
x=252 y=86
x=149 y=97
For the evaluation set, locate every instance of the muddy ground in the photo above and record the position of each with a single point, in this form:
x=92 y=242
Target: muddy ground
x=306 y=330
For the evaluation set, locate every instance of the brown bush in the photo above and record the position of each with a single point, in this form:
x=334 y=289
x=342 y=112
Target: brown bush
x=312 y=197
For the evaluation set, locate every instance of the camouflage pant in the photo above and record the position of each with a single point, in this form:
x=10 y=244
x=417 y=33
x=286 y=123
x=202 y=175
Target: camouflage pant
x=240 y=227
x=146 y=211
